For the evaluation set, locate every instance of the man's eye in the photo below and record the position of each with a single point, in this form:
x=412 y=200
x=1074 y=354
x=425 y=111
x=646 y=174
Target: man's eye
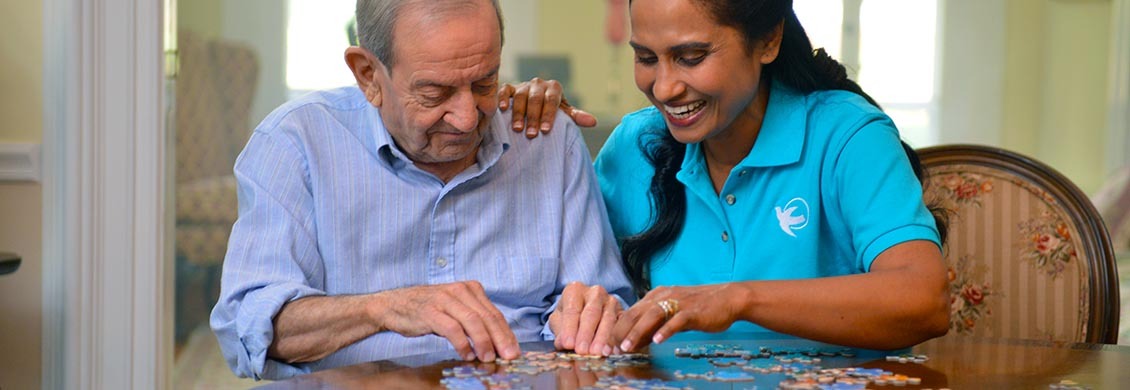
x=485 y=89
x=645 y=59
x=430 y=99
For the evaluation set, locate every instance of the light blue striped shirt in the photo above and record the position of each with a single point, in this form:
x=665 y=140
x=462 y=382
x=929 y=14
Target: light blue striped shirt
x=328 y=205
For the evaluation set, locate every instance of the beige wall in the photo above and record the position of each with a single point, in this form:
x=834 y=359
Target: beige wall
x=21 y=104
x=576 y=29
x=1055 y=92
x=204 y=17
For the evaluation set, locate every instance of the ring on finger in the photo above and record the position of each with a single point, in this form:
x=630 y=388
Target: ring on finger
x=670 y=308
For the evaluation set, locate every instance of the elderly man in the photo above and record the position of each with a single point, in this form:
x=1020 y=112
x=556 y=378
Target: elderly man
x=402 y=216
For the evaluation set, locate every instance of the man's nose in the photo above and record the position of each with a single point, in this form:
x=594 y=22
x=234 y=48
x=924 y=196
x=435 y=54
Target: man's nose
x=462 y=111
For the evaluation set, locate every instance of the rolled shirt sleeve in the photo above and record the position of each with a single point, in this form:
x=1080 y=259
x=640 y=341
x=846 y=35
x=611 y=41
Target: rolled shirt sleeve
x=272 y=256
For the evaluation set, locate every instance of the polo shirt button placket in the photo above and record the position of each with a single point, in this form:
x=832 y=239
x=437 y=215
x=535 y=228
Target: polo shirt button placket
x=731 y=199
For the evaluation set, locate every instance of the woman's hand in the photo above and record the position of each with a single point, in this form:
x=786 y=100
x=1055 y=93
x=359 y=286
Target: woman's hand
x=535 y=106
x=709 y=308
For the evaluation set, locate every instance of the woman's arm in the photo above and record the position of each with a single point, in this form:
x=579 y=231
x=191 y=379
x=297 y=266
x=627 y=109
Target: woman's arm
x=902 y=301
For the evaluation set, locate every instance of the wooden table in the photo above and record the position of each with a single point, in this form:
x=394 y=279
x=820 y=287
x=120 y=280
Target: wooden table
x=9 y=263
x=953 y=362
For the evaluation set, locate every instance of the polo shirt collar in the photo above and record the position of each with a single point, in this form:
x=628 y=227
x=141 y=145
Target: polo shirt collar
x=782 y=135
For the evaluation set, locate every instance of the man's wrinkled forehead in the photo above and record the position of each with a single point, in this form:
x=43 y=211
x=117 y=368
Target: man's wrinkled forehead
x=456 y=38
x=420 y=18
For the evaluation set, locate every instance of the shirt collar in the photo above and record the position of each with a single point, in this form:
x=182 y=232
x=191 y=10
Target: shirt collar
x=782 y=134
x=495 y=143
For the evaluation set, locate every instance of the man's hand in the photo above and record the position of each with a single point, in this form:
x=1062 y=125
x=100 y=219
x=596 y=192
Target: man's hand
x=459 y=312
x=584 y=319
x=535 y=106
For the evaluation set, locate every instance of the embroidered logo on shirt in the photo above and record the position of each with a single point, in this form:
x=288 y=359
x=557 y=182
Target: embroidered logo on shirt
x=788 y=218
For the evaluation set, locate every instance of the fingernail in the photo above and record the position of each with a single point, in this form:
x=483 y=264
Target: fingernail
x=626 y=346
x=489 y=357
x=470 y=356
x=658 y=338
x=546 y=126
x=568 y=340
x=511 y=352
x=517 y=125
x=503 y=104
x=582 y=348
x=607 y=351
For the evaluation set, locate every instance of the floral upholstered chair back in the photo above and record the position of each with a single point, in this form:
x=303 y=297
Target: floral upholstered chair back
x=1028 y=256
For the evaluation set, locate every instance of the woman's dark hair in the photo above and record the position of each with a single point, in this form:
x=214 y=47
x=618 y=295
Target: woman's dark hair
x=797 y=66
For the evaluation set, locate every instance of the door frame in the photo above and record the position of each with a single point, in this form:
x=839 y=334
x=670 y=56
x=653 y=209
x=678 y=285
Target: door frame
x=107 y=302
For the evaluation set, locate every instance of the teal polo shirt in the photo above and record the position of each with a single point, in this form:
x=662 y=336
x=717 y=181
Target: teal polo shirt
x=826 y=189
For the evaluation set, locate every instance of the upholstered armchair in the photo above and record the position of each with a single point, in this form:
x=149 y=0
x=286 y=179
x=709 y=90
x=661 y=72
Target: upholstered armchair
x=1028 y=254
x=214 y=91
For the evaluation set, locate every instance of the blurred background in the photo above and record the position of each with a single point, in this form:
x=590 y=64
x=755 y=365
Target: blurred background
x=1034 y=76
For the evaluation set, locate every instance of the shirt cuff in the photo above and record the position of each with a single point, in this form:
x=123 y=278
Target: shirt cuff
x=245 y=346
x=898 y=236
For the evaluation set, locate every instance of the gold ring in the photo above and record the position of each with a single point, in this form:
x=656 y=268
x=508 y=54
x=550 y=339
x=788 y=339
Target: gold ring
x=670 y=308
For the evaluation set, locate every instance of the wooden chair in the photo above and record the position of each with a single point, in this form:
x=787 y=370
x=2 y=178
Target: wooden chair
x=1028 y=254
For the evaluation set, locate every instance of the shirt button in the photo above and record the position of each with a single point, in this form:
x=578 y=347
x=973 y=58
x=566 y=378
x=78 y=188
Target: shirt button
x=725 y=237
x=441 y=262
x=730 y=199
x=742 y=173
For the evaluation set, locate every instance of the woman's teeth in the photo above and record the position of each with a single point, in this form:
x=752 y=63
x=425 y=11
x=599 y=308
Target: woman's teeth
x=683 y=112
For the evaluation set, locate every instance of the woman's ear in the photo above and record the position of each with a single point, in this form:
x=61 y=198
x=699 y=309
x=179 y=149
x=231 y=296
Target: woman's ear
x=771 y=45
x=367 y=70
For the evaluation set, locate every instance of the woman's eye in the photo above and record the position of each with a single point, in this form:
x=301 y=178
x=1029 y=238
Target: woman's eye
x=692 y=60
x=645 y=59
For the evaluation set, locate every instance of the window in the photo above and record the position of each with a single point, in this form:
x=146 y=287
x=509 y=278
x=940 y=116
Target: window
x=316 y=40
x=896 y=54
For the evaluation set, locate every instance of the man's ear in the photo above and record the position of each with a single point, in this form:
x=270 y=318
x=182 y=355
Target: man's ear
x=368 y=71
x=771 y=45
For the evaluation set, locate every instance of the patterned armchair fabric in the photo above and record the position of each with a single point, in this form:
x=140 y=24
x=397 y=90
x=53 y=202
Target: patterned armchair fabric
x=1028 y=255
x=214 y=91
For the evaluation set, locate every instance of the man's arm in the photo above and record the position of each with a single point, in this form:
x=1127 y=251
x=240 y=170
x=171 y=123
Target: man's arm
x=590 y=256
x=312 y=328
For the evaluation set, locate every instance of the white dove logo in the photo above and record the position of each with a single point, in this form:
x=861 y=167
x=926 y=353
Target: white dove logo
x=790 y=222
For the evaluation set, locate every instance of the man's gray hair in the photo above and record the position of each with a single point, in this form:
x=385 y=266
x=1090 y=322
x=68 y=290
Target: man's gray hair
x=376 y=19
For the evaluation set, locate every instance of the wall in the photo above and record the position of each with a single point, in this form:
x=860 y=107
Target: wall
x=1035 y=84
x=1056 y=76
x=576 y=29
x=971 y=57
x=21 y=210
x=1074 y=112
x=201 y=16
